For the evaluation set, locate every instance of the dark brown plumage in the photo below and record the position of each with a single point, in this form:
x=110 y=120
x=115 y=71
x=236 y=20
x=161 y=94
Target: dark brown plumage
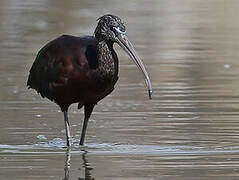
x=82 y=70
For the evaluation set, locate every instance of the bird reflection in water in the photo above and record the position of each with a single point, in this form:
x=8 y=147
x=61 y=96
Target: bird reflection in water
x=86 y=166
x=67 y=164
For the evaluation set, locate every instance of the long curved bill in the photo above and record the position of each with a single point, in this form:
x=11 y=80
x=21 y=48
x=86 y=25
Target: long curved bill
x=125 y=44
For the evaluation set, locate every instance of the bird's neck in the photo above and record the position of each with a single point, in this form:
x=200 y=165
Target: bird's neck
x=107 y=61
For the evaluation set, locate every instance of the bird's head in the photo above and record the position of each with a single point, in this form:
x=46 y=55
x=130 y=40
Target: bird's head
x=108 y=28
x=111 y=28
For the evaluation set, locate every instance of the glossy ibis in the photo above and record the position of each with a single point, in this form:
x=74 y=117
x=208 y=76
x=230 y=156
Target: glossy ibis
x=82 y=70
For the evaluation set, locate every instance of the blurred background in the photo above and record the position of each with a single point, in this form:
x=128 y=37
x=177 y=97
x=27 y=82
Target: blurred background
x=189 y=130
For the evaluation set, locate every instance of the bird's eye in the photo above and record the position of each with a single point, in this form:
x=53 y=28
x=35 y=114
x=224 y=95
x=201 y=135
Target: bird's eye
x=112 y=28
x=117 y=30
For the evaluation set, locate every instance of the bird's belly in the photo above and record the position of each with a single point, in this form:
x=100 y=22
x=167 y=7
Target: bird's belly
x=83 y=91
x=96 y=91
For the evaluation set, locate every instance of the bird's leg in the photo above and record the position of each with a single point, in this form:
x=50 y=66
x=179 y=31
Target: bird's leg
x=67 y=127
x=88 y=110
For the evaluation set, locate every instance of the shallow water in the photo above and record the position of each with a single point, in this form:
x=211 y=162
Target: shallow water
x=189 y=130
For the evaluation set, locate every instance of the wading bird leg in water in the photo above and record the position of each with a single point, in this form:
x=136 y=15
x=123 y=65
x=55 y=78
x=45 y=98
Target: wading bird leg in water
x=67 y=127
x=88 y=108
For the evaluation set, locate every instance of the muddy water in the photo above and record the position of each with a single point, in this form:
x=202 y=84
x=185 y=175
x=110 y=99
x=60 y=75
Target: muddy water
x=189 y=130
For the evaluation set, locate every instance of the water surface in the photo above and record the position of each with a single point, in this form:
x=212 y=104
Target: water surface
x=189 y=130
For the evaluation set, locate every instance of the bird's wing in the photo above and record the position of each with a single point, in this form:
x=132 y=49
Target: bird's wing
x=56 y=60
x=44 y=70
